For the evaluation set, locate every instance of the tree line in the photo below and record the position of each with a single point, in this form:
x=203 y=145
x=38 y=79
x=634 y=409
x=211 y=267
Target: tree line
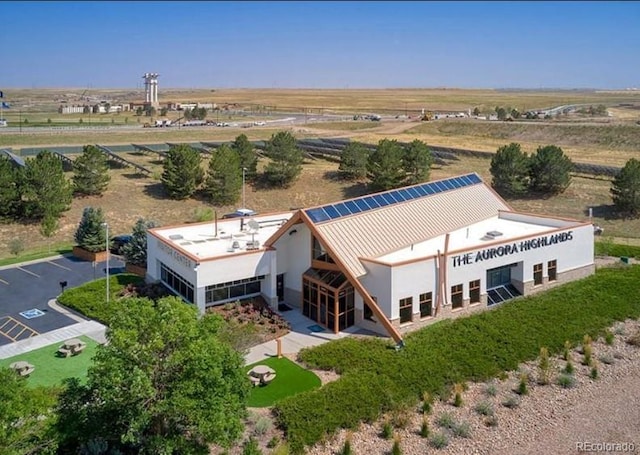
x=547 y=172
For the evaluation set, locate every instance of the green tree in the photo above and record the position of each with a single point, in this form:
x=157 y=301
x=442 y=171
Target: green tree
x=353 y=161
x=163 y=384
x=26 y=417
x=139 y=111
x=385 y=167
x=48 y=226
x=248 y=157
x=91 y=232
x=10 y=204
x=224 y=179
x=417 y=161
x=510 y=170
x=550 y=170
x=163 y=111
x=135 y=252
x=501 y=112
x=515 y=113
x=182 y=173
x=476 y=111
x=625 y=189
x=91 y=172
x=44 y=188
x=286 y=160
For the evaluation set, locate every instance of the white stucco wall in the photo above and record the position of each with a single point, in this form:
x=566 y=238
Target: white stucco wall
x=294 y=255
x=411 y=280
x=378 y=281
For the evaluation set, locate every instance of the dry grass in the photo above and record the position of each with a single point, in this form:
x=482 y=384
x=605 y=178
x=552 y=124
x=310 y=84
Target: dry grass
x=318 y=184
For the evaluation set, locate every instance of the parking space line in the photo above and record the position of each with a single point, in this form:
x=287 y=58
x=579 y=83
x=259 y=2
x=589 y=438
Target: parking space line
x=29 y=272
x=58 y=265
x=4 y=282
x=18 y=324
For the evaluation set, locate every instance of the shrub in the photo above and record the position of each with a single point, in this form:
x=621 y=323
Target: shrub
x=262 y=426
x=523 y=388
x=427 y=401
x=439 y=440
x=609 y=337
x=458 y=389
x=461 y=430
x=387 y=430
x=201 y=214
x=569 y=368
x=424 y=428
x=490 y=421
x=587 y=350
x=634 y=339
x=396 y=449
x=400 y=418
x=445 y=420
x=250 y=447
x=16 y=246
x=273 y=442
x=607 y=359
x=566 y=381
x=491 y=390
x=503 y=375
x=511 y=402
x=484 y=408
x=346 y=447
x=544 y=367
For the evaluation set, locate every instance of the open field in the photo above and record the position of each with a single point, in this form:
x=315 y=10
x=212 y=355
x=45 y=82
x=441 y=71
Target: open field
x=330 y=100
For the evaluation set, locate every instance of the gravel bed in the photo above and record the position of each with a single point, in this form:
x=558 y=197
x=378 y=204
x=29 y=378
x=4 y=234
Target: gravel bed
x=550 y=419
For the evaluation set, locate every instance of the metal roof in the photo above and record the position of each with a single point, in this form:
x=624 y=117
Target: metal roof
x=379 y=231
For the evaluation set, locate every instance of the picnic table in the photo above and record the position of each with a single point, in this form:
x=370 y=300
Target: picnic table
x=261 y=374
x=22 y=368
x=72 y=347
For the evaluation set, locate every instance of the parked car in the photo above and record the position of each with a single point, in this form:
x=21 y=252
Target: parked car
x=118 y=242
x=239 y=213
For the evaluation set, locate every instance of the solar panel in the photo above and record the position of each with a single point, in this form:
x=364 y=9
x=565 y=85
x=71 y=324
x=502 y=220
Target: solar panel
x=351 y=205
x=366 y=203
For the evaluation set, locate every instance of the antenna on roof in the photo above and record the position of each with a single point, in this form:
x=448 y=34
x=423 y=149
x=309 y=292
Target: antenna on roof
x=254 y=227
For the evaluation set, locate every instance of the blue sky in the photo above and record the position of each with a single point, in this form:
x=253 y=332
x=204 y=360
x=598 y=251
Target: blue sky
x=321 y=44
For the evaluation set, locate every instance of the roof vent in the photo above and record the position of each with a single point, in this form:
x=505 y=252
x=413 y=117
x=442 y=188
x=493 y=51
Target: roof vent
x=493 y=234
x=176 y=237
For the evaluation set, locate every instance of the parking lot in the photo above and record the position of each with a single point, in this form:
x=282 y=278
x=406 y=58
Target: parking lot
x=26 y=289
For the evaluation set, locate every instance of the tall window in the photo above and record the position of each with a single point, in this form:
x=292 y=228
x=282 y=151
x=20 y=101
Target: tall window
x=176 y=282
x=552 y=270
x=319 y=253
x=537 y=274
x=456 y=296
x=474 y=291
x=426 y=303
x=368 y=313
x=406 y=310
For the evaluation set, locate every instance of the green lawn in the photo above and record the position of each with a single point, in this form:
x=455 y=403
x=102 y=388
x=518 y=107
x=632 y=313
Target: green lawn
x=290 y=380
x=51 y=369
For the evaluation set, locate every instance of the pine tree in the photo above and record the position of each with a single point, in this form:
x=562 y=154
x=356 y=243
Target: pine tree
x=9 y=190
x=353 y=161
x=550 y=170
x=417 y=161
x=286 y=160
x=44 y=188
x=510 y=170
x=91 y=172
x=224 y=179
x=182 y=172
x=248 y=158
x=135 y=252
x=91 y=232
x=384 y=166
x=625 y=189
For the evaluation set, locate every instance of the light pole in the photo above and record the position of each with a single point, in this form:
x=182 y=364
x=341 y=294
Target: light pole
x=106 y=227
x=244 y=169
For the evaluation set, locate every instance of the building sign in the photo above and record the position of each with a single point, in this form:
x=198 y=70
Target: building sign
x=176 y=255
x=506 y=250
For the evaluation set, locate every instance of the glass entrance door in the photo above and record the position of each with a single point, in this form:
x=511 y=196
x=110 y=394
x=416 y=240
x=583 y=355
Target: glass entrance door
x=500 y=276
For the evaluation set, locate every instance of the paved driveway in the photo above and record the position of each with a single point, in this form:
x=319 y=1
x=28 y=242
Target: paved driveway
x=27 y=288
